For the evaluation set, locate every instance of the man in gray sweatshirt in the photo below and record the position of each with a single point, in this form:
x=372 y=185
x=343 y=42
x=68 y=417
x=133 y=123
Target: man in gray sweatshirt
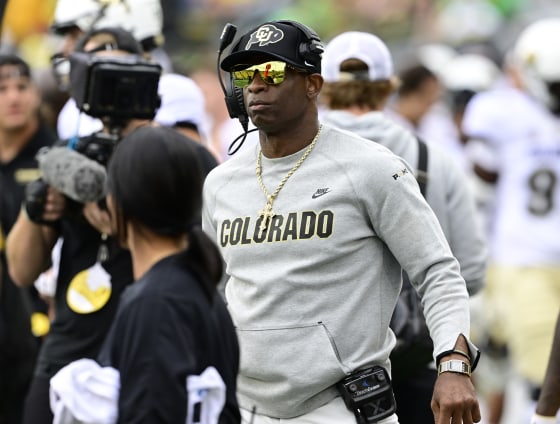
x=315 y=225
x=359 y=78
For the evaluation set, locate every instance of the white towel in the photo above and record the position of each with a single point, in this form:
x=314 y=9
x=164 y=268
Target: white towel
x=208 y=390
x=85 y=393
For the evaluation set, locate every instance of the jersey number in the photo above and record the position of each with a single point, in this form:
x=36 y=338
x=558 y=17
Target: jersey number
x=542 y=184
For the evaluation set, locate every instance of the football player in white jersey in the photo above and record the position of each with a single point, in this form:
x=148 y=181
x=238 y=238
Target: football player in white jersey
x=514 y=142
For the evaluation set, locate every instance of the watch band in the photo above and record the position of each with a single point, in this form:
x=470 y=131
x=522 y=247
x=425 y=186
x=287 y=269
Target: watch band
x=454 y=365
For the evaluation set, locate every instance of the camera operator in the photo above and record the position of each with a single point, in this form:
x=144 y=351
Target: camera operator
x=74 y=18
x=93 y=269
x=23 y=319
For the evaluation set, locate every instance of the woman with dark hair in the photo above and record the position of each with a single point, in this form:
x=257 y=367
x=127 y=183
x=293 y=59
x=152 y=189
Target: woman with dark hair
x=173 y=341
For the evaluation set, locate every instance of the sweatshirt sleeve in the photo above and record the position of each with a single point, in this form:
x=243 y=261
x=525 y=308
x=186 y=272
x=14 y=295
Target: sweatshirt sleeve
x=403 y=219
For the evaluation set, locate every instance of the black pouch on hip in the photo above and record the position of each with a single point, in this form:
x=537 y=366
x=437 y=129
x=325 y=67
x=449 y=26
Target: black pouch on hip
x=368 y=394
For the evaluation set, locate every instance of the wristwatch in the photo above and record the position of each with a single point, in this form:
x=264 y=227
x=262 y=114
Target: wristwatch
x=454 y=365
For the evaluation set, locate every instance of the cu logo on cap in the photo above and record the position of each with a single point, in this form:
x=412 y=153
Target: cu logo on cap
x=267 y=34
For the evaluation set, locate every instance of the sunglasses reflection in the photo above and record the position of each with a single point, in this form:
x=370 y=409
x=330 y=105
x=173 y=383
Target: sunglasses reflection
x=271 y=73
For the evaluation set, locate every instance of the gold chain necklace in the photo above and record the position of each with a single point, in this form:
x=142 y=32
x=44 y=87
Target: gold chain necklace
x=267 y=213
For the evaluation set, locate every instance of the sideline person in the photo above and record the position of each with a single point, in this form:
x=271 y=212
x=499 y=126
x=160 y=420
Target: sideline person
x=23 y=313
x=87 y=287
x=315 y=225
x=514 y=138
x=93 y=268
x=173 y=309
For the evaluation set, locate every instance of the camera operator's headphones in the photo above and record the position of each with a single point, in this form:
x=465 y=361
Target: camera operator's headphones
x=309 y=49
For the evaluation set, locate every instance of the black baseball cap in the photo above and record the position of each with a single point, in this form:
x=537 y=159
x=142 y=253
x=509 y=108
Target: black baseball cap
x=123 y=40
x=277 y=40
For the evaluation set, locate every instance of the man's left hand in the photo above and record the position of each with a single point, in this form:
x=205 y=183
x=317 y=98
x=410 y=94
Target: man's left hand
x=454 y=400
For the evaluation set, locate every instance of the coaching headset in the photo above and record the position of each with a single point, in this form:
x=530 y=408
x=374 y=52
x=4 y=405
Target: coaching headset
x=310 y=50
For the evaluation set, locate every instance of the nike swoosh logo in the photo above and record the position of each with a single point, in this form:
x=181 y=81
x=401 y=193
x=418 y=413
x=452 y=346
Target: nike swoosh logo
x=320 y=192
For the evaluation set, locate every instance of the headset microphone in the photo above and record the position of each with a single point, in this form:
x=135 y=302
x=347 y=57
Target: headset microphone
x=228 y=33
x=233 y=95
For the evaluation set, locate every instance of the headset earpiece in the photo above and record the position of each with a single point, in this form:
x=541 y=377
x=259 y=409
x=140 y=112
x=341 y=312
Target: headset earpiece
x=233 y=96
x=235 y=102
x=312 y=48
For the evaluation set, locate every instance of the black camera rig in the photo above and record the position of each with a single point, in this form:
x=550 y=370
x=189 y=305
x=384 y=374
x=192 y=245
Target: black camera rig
x=118 y=88
x=114 y=89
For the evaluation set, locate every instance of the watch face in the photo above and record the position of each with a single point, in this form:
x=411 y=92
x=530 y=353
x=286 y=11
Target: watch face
x=455 y=366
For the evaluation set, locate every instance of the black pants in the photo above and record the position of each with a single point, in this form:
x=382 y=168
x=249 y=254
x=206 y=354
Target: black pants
x=18 y=349
x=414 y=396
x=15 y=377
x=12 y=393
x=37 y=406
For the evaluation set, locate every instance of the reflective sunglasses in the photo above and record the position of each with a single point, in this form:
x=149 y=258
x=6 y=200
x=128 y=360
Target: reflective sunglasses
x=272 y=73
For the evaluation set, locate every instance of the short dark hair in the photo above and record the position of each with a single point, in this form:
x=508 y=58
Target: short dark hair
x=413 y=77
x=15 y=61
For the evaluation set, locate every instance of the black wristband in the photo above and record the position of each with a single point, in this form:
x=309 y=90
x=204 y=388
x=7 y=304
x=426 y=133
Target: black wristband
x=450 y=352
x=463 y=354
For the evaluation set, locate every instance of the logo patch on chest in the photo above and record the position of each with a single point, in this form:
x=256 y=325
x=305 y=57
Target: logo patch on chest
x=320 y=192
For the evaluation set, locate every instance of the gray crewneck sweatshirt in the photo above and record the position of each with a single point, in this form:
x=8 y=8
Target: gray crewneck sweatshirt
x=312 y=297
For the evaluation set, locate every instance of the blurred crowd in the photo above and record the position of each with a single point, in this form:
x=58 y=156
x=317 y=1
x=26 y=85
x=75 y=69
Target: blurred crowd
x=462 y=87
x=426 y=32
